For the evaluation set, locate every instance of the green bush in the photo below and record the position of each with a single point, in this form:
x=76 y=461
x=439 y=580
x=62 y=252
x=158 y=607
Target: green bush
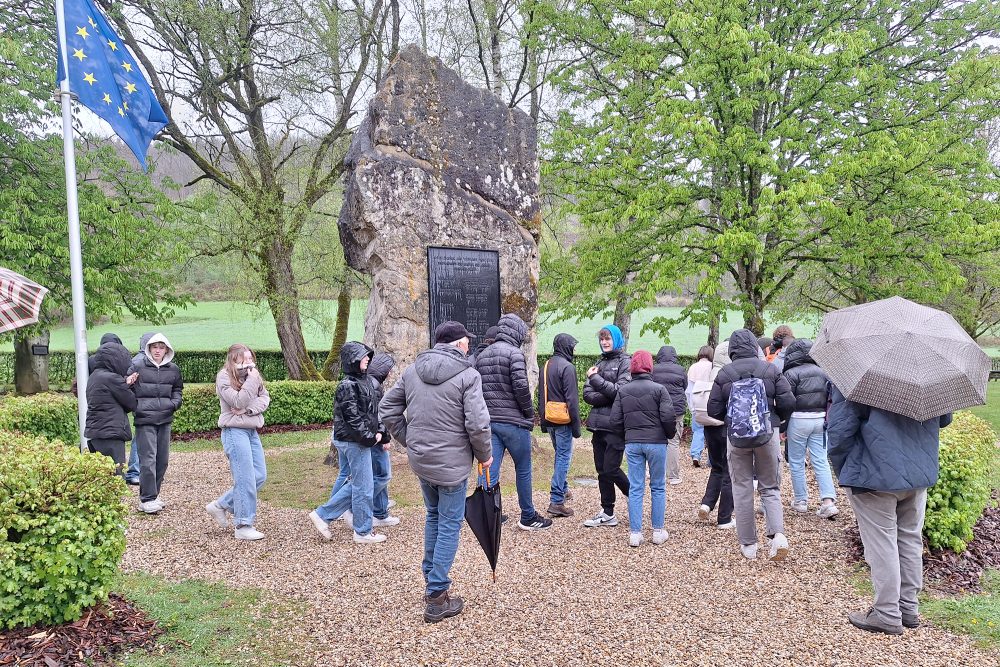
x=962 y=492
x=292 y=402
x=51 y=416
x=62 y=530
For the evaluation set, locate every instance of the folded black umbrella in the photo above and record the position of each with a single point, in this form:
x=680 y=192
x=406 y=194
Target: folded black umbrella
x=482 y=513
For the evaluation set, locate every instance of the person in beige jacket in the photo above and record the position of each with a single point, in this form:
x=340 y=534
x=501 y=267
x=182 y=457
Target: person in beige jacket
x=243 y=398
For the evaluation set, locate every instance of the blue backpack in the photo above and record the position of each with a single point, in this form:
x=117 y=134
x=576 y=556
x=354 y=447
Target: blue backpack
x=748 y=419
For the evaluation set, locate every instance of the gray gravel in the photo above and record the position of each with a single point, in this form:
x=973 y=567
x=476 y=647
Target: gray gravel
x=566 y=596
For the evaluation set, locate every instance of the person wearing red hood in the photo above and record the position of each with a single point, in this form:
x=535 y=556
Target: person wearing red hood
x=644 y=410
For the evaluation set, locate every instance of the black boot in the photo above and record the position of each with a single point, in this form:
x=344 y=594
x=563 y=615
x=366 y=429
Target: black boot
x=441 y=606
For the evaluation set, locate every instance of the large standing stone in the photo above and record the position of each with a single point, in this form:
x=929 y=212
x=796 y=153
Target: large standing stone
x=438 y=162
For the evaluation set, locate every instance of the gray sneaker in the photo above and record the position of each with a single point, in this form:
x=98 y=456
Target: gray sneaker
x=868 y=622
x=827 y=511
x=601 y=519
x=800 y=506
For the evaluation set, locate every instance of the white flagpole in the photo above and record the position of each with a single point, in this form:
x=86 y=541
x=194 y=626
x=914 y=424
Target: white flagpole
x=75 y=255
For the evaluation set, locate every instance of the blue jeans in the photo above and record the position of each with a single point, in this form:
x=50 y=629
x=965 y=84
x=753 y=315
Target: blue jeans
x=355 y=495
x=345 y=470
x=381 y=474
x=445 y=515
x=639 y=455
x=697 y=440
x=562 y=442
x=132 y=474
x=808 y=435
x=246 y=463
x=517 y=441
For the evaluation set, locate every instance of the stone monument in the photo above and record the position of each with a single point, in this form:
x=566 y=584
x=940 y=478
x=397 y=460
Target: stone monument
x=437 y=167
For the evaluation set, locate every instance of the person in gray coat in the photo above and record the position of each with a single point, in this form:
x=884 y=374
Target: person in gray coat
x=886 y=462
x=437 y=412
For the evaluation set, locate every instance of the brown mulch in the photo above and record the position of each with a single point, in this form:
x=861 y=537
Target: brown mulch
x=278 y=428
x=104 y=630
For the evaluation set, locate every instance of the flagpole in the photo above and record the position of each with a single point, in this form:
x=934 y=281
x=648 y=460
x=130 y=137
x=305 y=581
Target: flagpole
x=75 y=255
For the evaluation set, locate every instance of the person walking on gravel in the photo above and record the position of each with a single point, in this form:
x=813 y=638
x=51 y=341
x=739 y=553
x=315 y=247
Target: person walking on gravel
x=437 y=412
x=670 y=374
x=700 y=371
x=719 y=488
x=559 y=410
x=887 y=462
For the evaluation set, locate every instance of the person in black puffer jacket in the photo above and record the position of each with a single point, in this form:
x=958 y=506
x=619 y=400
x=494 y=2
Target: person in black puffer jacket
x=806 y=431
x=671 y=375
x=558 y=384
x=599 y=391
x=106 y=338
x=508 y=398
x=110 y=397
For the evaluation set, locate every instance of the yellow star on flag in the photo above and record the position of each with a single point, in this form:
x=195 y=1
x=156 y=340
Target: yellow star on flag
x=125 y=104
x=113 y=45
x=127 y=66
x=82 y=31
x=78 y=53
x=130 y=87
x=107 y=98
x=121 y=111
x=90 y=20
x=89 y=78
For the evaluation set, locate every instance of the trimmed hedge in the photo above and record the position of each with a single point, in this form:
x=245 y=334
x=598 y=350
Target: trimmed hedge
x=955 y=503
x=62 y=530
x=51 y=416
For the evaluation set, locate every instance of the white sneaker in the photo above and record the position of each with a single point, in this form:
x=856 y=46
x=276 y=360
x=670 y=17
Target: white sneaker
x=660 y=536
x=601 y=519
x=160 y=500
x=703 y=512
x=800 y=506
x=827 y=511
x=370 y=538
x=675 y=480
x=150 y=507
x=248 y=533
x=779 y=547
x=348 y=518
x=322 y=527
x=218 y=514
x=727 y=526
x=634 y=539
x=749 y=551
x=388 y=521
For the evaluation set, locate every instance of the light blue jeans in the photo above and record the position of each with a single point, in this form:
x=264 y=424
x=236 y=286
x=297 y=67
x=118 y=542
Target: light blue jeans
x=355 y=495
x=697 y=440
x=445 y=515
x=517 y=441
x=246 y=463
x=805 y=434
x=381 y=474
x=640 y=455
x=132 y=474
x=344 y=464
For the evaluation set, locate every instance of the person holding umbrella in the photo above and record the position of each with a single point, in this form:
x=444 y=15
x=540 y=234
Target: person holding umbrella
x=437 y=412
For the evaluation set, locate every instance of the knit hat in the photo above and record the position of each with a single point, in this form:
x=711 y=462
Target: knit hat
x=642 y=362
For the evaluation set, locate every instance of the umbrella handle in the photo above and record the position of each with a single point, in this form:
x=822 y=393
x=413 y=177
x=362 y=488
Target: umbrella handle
x=485 y=472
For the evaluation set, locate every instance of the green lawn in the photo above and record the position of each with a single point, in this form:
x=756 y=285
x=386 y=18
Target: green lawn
x=976 y=615
x=991 y=411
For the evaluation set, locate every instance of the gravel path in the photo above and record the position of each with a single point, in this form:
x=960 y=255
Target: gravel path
x=566 y=596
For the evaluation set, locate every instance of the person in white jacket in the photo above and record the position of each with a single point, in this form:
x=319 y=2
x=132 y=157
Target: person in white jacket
x=700 y=371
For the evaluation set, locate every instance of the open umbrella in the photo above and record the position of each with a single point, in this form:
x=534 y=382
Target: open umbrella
x=902 y=357
x=20 y=300
x=482 y=513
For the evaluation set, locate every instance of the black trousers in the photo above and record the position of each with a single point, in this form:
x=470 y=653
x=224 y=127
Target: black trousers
x=115 y=449
x=720 y=487
x=609 y=449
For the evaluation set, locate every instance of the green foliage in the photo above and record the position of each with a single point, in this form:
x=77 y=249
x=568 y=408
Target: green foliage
x=292 y=402
x=52 y=416
x=956 y=502
x=62 y=530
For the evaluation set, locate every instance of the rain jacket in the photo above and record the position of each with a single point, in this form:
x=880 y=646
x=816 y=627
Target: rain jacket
x=746 y=363
x=600 y=389
x=505 y=375
x=159 y=386
x=355 y=404
x=109 y=397
x=670 y=374
x=563 y=386
x=437 y=411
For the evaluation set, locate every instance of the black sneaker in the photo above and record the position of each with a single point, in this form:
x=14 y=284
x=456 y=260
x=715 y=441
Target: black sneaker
x=538 y=523
x=503 y=519
x=441 y=606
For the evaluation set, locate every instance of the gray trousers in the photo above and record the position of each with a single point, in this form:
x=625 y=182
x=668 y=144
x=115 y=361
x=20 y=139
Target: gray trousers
x=673 y=456
x=115 y=449
x=891 y=523
x=153 y=441
x=765 y=463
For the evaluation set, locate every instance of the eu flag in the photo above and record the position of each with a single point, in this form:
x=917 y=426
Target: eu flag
x=107 y=80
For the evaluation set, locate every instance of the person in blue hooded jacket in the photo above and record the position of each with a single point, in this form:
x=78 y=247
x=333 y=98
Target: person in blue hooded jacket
x=600 y=391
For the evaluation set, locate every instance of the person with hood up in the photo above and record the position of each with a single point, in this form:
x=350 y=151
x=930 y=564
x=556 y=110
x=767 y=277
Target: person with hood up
x=887 y=462
x=243 y=399
x=645 y=410
x=92 y=359
x=489 y=338
x=806 y=429
x=437 y=412
x=599 y=391
x=357 y=429
x=670 y=374
x=132 y=474
x=504 y=371
x=761 y=461
x=110 y=397
x=719 y=488
x=700 y=371
x=158 y=391
x=559 y=385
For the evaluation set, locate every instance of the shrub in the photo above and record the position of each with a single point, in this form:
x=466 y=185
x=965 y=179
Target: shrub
x=292 y=402
x=62 y=530
x=962 y=492
x=51 y=416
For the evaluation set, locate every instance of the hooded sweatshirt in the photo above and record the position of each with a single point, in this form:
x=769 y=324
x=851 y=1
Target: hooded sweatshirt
x=109 y=397
x=600 y=389
x=106 y=338
x=141 y=354
x=560 y=380
x=437 y=411
x=355 y=404
x=671 y=375
x=643 y=408
x=747 y=363
x=505 y=375
x=159 y=386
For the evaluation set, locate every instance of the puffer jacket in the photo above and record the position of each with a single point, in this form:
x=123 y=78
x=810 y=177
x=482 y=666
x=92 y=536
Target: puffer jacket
x=159 y=386
x=355 y=403
x=106 y=338
x=378 y=370
x=644 y=410
x=601 y=388
x=670 y=374
x=252 y=397
x=747 y=363
x=437 y=411
x=505 y=375
x=562 y=383
x=109 y=397
x=876 y=450
x=807 y=380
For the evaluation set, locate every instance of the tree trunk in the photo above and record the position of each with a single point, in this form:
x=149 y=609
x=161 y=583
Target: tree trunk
x=283 y=299
x=394 y=38
x=331 y=367
x=753 y=318
x=31 y=372
x=623 y=319
x=713 y=330
x=332 y=457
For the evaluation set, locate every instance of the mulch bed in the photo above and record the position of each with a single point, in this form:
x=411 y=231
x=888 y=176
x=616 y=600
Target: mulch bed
x=103 y=631
x=279 y=428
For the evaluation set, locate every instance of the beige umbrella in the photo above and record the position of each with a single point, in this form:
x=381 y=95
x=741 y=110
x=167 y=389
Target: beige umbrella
x=20 y=300
x=902 y=357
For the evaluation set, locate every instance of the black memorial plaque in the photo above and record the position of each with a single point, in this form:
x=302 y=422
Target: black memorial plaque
x=464 y=285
